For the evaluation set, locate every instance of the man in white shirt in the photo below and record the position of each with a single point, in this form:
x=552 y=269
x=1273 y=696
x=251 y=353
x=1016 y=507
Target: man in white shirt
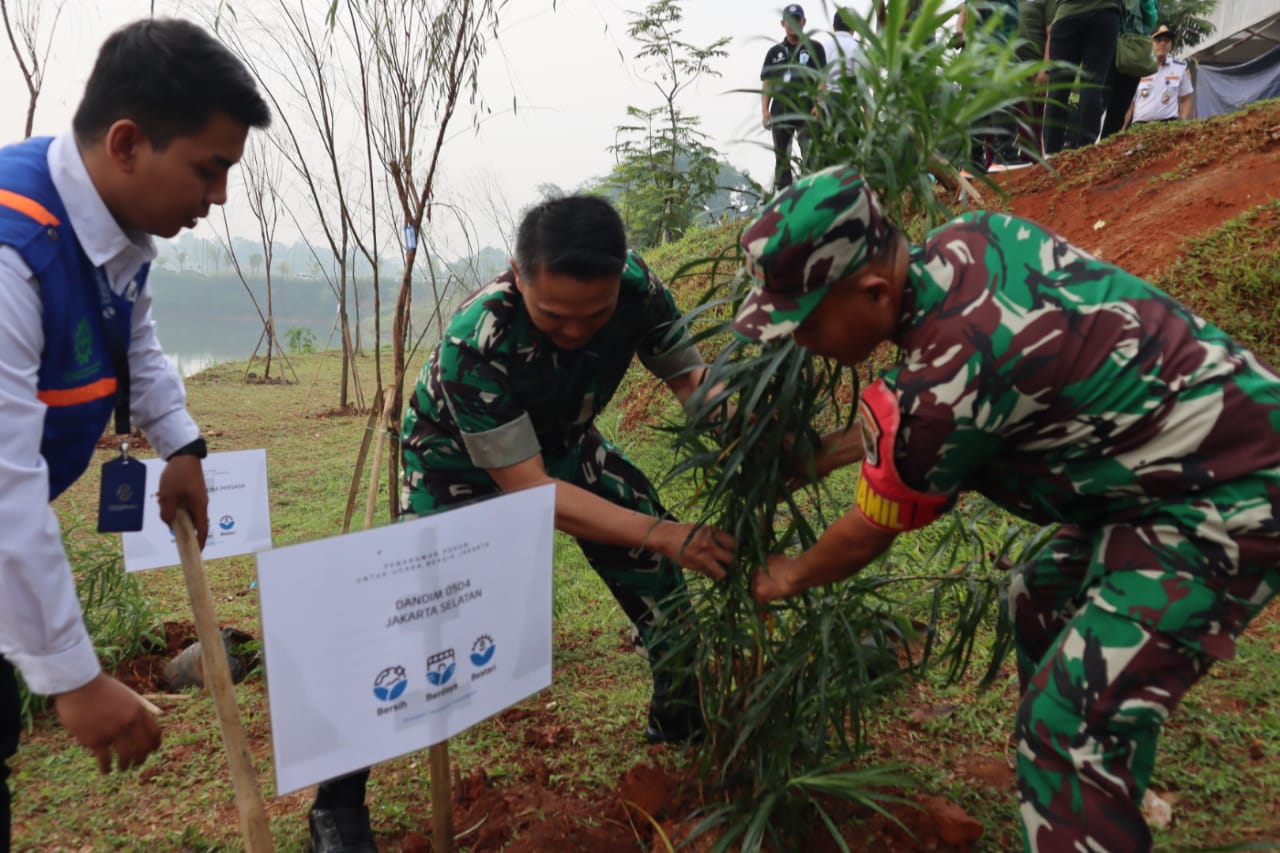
x=1166 y=94
x=844 y=55
x=164 y=117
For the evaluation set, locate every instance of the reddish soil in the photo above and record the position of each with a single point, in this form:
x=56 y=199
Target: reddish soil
x=1135 y=200
x=145 y=674
x=111 y=441
x=348 y=411
x=532 y=818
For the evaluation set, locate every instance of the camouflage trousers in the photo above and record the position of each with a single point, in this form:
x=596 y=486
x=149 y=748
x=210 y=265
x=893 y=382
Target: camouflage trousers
x=647 y=586
x=1113 y=625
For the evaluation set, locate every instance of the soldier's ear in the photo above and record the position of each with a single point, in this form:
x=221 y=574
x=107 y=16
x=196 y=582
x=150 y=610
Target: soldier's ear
x=872 y=284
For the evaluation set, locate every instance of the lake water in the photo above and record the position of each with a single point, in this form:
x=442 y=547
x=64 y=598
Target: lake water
x=191 y=363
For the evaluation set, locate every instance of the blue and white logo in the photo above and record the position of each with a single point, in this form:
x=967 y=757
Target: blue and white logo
x=440 y=668
x=226 y=522
x=482 y=650
x=390 y=683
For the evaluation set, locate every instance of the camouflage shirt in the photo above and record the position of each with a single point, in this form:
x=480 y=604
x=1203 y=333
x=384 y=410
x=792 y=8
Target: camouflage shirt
x=496 y=391
x=1062 y=387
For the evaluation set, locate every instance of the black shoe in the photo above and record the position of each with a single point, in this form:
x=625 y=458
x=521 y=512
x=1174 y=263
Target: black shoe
x=341 y=830
x=674 y=714
x=674 y=725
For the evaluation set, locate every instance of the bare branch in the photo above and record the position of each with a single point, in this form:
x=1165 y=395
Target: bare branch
x=31 y=57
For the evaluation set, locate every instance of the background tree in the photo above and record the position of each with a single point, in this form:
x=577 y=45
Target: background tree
x=260 y=170
x=425 y=60
x=666 y=171
x=298 y=66
x=662 y=178
x=1189 y=20
x=22 y=26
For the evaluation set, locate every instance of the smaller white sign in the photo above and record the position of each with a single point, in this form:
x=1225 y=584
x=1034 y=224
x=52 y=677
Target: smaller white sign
x=239 y=512
x=389 y=640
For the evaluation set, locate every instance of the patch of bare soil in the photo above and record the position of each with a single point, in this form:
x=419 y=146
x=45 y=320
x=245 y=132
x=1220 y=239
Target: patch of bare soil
x=348 y=411
x=145 y=674
x=1136 y=199
x=137 y=441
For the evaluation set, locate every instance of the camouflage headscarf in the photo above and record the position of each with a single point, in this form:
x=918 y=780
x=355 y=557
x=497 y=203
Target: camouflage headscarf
x=816 y=232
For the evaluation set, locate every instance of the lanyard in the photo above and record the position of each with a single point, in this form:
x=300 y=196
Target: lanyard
x=117 y=348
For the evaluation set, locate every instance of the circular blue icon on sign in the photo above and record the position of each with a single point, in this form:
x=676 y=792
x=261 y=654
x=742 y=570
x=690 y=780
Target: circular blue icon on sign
x=440 y=668
x=226 y=522
x=482 y=650
x=390 y=683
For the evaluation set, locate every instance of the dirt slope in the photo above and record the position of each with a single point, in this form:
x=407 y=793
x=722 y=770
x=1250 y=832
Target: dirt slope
x=1138 y=197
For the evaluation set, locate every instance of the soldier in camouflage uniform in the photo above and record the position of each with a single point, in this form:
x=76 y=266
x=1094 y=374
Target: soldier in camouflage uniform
x=508 y=400
x=1068 y=392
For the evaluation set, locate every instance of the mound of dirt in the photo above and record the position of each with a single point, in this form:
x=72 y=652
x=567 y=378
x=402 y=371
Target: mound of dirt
x=1136 y=199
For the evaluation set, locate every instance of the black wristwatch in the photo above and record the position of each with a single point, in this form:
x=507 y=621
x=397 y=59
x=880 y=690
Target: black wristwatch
x=196 y=448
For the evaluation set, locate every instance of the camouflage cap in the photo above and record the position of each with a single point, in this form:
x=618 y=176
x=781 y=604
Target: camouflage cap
x=816 y=232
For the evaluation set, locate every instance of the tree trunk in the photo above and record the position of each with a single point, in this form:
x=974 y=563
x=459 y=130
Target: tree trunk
x=399 y=340
x=346 y=355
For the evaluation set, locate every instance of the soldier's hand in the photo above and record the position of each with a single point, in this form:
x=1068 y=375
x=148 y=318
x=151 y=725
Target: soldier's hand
x=111 y=721
x=773 y=580
x=705 y=550
x=764 y=120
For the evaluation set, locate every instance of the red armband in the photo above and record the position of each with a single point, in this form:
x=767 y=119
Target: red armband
x=883 y=499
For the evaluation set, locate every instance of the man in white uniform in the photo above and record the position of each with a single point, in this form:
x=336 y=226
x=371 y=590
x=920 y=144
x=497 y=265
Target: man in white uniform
x=1166 y=94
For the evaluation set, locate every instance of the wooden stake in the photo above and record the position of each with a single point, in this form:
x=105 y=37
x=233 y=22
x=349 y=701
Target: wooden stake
x=217 y=677
x=438 y=755
x=441 y=799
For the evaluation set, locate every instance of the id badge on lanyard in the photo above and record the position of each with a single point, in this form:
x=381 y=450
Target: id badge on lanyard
x=124 y=480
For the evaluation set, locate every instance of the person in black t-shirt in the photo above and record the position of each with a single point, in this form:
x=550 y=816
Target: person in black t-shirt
x=787 y=91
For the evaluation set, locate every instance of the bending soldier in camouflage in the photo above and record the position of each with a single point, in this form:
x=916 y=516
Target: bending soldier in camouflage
x=508 y=400
x=1068 y=392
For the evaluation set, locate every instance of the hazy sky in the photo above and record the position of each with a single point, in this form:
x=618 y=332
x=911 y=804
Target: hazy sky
x=572 y=72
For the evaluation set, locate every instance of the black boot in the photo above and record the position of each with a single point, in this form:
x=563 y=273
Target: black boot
x=339 y=821
x=341 y=830
x=674 y=712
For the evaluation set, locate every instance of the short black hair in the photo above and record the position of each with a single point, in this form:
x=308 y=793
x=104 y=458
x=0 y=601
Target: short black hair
x=170 y=76
x=884 y=255
x=581 y=236
x=841 y=22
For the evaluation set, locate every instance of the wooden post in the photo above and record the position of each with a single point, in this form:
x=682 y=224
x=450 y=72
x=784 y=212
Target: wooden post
x=438 y=755
x=217 y=677
x=441 y=799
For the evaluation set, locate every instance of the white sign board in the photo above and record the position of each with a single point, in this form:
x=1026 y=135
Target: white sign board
x=239 y=512
x=386 y=641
